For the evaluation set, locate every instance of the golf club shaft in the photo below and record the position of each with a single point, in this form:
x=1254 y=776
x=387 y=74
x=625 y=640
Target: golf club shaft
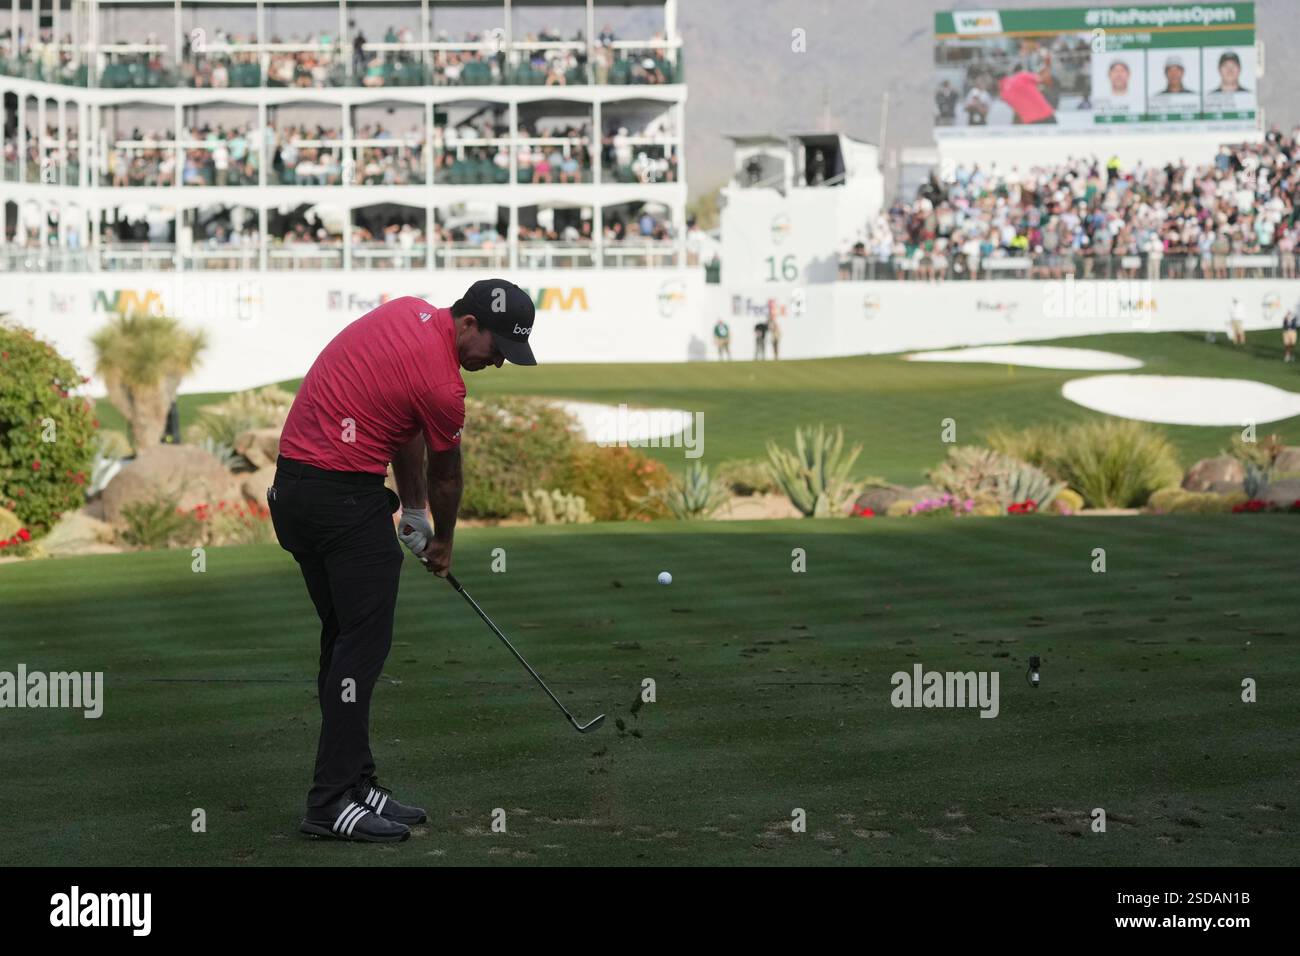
x=497 y=631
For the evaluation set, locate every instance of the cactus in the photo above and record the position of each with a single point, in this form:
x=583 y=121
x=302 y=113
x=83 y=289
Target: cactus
x=815 y=476
x=972 y=472
x=969 y=472
x=694 y=494
x=555 y=507
x=1027 y=483
x=1256 y=479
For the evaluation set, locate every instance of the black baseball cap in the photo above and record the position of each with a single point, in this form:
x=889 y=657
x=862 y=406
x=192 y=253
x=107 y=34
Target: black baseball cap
x=507 y=312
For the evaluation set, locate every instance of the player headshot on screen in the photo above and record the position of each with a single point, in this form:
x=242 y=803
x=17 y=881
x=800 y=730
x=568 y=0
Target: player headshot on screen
x=1230 y=74
x=1174 y=77
x=1119 y=75
x=1117 y=86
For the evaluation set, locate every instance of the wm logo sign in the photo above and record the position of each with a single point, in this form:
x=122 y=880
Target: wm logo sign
x=129 y=302
x=564 y=300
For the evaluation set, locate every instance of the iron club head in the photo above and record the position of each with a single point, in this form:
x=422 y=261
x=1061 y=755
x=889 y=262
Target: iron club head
x=589 y=725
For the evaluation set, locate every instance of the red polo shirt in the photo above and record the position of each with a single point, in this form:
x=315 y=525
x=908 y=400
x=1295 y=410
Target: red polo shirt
x=389 y=375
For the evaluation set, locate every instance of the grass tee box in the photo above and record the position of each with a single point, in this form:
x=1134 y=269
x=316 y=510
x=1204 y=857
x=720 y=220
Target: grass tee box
x=772 y=695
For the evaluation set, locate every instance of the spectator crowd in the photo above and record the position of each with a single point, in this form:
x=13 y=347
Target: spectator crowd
x=1234 y=215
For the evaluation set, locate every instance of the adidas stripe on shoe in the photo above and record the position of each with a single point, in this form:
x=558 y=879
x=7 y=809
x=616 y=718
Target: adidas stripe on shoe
x=380 y=799
x=357 y=822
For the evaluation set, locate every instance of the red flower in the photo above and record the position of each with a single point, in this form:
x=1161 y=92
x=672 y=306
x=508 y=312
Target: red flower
x=24 y=534
x=36 y=465
x=95 y=423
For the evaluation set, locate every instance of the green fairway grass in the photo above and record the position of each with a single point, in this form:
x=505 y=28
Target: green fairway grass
x=773 y=692
x=893 y=407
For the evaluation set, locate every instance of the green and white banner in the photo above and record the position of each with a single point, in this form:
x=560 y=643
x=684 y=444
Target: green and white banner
x=1075 y=69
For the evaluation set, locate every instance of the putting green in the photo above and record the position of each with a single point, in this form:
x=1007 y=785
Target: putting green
x=773 y=693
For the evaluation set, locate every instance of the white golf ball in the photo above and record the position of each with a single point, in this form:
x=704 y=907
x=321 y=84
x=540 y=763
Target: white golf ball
x=665 y=577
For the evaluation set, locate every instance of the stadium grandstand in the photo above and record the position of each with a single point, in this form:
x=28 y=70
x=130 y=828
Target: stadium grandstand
x=193 y=136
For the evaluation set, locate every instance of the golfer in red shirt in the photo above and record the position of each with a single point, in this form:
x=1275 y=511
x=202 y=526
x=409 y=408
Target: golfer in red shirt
x=387 y=389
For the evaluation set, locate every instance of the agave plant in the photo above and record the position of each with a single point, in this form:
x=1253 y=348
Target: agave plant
x=222 y=452
x=1027 y=483
x=693 y=495
x=1256 y=480
x=815 y=476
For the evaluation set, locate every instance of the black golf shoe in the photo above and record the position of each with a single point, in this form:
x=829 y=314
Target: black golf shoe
x=380 y=800
x=351 y=820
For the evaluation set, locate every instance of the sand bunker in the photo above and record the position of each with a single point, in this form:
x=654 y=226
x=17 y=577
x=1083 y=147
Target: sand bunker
x=1180 y=400
x=1033 y=356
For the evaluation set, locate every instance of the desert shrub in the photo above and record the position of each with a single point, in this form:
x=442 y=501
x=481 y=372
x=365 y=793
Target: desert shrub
x=693 y=494
x=9 y=524
x=511 y=446
x=1037 y=445
x=555 y=507
x=815 y=475
x=1067 y=502
x=112 y=443
x=618 y=483
x=234 y=522
x=159 y=522
x=1117 y=463
x=971 y=472
x=46 y=433
x=1180 y=501
x=1261 y=454
x=243 y=411
x=747 y=477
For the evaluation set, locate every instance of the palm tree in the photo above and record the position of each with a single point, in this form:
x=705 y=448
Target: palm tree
x=142 y=359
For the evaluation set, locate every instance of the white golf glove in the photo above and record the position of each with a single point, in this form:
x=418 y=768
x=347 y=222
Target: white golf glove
x=414 y=530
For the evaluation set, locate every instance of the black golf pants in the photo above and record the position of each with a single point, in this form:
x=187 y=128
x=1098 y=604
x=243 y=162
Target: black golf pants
x=339 y=528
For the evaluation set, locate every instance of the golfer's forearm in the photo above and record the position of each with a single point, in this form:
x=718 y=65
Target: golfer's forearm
x=444 y=496
x=408 y=471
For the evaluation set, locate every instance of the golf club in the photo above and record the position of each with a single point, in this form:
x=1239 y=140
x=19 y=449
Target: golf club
x=580 y=728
